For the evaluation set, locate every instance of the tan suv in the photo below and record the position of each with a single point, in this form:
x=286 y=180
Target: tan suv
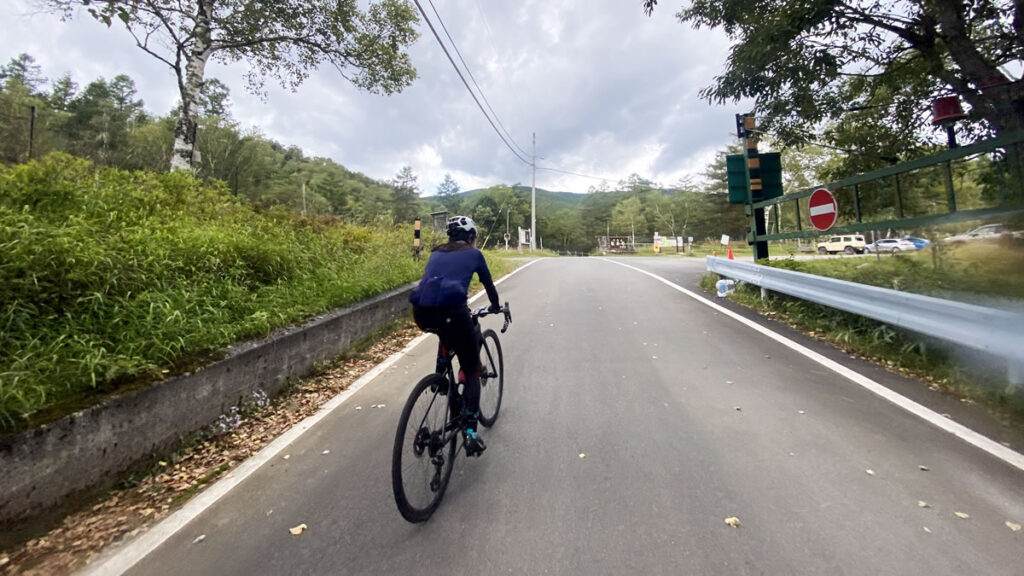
x=851 y=244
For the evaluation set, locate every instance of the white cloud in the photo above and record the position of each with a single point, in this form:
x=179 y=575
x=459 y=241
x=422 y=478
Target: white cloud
x=607 y=90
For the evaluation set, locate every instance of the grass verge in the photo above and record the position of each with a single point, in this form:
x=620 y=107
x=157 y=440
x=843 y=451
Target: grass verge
x=152 y=493
x=114 y=279
x=938 y=363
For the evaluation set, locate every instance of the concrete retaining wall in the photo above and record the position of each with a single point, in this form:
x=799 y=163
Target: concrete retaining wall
x=41 y=468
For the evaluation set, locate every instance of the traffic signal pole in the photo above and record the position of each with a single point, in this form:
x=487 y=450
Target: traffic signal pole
x=746 y=126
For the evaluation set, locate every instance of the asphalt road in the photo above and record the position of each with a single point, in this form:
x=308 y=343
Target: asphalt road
x=636 y=419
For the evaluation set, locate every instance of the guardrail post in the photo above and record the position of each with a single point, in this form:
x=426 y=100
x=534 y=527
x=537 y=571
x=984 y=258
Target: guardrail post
x=856 y=202
x=950 y=191
x=899 y=196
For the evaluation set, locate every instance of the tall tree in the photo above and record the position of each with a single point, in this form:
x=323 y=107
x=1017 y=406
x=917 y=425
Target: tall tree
x=789 y=57
x=24 y=69
x=448 y=194
x=283 y=39
x=406 y=196
x=64 y=90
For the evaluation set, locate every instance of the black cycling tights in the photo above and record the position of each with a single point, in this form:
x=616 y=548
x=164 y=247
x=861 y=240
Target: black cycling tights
x=455 y=327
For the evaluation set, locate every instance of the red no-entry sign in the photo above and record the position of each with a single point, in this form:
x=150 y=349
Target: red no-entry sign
x=823 y=209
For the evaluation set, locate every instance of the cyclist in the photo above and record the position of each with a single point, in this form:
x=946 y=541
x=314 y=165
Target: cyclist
x=439 y=306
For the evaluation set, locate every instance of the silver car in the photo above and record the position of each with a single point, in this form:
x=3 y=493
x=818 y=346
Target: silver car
x=893 y=245
x=986 y=232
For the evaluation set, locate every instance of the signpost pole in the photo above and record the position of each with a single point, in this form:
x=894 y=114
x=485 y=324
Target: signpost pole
x=747 y=125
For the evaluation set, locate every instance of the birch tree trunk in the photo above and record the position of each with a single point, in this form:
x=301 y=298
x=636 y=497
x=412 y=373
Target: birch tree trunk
x=195 y=68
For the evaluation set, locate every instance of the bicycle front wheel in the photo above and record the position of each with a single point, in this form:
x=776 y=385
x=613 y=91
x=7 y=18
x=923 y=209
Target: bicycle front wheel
x=424 y=451
x=492 y=377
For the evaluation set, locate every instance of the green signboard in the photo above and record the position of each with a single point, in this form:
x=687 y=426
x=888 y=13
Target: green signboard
x=771 y=177
x=736 y=170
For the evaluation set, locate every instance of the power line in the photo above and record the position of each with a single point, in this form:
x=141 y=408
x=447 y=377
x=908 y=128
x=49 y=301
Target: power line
x=559 y=170
x=466 y=84
x=471 y=77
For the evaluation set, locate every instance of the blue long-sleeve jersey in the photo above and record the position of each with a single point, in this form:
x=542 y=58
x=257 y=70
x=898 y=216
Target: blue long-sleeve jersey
x=449 y=271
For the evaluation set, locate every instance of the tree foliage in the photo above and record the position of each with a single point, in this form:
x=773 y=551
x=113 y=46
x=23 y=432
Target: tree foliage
x=107 y=123
x=283 y=40
x=811 y=62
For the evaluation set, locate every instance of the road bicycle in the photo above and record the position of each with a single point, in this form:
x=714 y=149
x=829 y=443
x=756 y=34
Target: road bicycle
x=432 y=423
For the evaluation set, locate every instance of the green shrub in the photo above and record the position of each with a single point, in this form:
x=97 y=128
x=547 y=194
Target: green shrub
x=111 y=278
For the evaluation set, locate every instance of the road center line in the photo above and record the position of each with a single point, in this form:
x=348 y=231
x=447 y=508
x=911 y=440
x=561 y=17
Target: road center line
x=123 y=559
x=994 y=448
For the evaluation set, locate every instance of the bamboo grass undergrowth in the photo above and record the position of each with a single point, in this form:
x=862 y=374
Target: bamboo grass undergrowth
x=113 y=279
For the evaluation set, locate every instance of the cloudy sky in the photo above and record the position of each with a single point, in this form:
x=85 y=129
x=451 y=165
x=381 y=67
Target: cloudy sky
x=608 y=91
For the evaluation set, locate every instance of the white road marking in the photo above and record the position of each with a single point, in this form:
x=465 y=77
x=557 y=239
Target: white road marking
x=117 y=561
x=994 y=448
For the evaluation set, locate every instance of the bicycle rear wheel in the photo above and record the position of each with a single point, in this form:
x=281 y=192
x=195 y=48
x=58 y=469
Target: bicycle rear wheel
x=492 y=377
x=424 y=453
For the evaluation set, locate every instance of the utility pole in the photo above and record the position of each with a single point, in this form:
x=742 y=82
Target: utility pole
x=303 y=196
x=31 y=131
x=533 y=197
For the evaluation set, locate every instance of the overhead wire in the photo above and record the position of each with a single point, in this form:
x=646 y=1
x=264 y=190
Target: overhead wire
x=503 y=132
x=466 y=84
x=471 y=77
x=559 y=170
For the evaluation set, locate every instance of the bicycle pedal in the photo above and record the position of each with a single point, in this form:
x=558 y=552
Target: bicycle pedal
x=474 y=448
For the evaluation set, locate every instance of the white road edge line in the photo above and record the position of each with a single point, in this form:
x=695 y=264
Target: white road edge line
x=123 y=559
x=994 y=448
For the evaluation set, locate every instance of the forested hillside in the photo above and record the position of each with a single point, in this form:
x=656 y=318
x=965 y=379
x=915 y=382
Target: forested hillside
x=105 y=121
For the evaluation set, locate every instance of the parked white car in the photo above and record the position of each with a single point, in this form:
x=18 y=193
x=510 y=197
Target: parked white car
x=891 y=245
x=848 y=244
x=986 y=232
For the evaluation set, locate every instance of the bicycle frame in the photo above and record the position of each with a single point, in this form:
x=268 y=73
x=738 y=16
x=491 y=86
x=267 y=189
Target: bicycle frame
x=445 y=356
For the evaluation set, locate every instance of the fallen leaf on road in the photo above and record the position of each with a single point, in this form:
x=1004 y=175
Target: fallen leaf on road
x=4 y=560
x=728 y=381
x=162 y=463
x=654 y=357
x=923 y=468
x=1013 y=526
x=359 y=407
x=946 y=415
x=801 y=412
x=737 y=408
x=199 y=539
x=287 y=456
x=926 y=529
x=582 y=455
x=326 y=452
x=298 y=529
x=733 y=521
x=381 y=405
x=962 y=515
x=870 y=472
x=923 y=504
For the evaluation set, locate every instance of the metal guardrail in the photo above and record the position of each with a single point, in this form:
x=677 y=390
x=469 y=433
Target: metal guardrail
x=997 y=332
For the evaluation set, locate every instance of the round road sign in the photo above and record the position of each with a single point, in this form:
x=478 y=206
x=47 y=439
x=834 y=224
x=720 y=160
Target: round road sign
x=823 y=209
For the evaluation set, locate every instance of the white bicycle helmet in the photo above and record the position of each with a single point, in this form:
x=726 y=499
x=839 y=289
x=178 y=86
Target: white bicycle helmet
x=461 y=228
